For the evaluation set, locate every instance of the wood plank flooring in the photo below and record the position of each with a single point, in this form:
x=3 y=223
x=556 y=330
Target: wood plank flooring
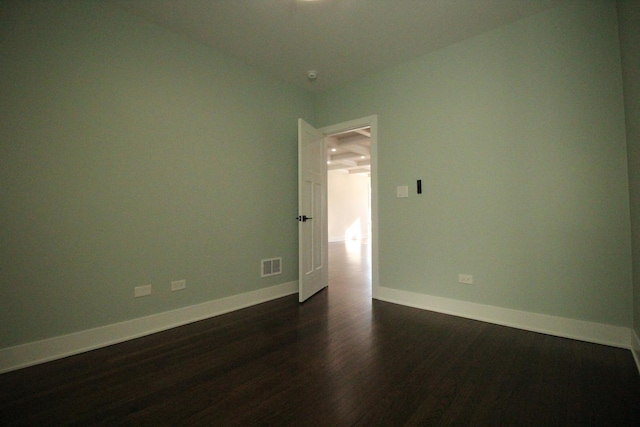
x=339 y=359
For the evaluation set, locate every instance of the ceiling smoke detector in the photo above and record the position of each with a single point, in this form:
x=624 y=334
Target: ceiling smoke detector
x=312 y=75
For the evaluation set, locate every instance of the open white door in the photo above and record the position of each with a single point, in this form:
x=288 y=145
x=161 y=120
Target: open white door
x=312 y=210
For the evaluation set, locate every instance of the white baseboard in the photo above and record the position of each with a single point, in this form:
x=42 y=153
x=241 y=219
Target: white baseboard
x=33 y=353
x=29 y=354
x=635 y=348
x=615 y=336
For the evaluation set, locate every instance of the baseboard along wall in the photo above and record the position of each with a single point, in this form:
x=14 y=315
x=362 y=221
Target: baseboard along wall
x=29 y=354
x=635 y=348
x=598 y=333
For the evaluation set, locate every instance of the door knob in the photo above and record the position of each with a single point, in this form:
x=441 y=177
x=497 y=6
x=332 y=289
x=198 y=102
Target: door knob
x=303 y=218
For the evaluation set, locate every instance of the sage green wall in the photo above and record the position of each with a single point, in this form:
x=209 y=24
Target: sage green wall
x=518 y=136
x=132 y=156
x=629 y=27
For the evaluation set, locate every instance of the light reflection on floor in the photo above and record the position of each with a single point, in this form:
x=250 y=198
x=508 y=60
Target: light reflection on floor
x=350 y=291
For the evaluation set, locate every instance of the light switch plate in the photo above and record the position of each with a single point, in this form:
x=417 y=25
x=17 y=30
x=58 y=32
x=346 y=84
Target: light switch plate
x=402 y=191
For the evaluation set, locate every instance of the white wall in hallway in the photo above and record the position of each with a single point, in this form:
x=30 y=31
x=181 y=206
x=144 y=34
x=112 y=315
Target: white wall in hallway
x=349 y=213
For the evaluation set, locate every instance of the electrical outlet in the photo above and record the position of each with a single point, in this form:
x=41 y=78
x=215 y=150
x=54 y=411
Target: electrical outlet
x=178 y=285
x=465 y=278
x=142 y=291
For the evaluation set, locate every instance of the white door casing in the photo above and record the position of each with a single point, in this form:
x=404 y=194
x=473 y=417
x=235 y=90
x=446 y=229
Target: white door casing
x=372 y=123
x=312 y=211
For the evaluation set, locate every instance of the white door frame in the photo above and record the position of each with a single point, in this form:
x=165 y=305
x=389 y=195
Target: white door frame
x=372 y=122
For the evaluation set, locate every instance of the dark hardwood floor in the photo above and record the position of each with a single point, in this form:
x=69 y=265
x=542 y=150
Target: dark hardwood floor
x=339 y=359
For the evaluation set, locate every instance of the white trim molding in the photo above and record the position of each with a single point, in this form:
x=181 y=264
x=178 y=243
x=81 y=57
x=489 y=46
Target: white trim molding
x=598 y=333
x=33 y=353
x=635 y=348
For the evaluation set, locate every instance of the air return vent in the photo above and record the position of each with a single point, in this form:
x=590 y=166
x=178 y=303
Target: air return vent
x=271 y=267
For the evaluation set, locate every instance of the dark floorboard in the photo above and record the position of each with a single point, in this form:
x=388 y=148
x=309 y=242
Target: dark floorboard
x=339 y=359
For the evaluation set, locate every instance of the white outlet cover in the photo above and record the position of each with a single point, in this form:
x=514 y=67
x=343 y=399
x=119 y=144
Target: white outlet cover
x=142 y=291
x=465 y=278
x=178 y=285
x=402 y=191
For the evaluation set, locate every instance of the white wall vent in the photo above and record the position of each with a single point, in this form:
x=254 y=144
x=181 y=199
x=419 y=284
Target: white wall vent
x=271 y=267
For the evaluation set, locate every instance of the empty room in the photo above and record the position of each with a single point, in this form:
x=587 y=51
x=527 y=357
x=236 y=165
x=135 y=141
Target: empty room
x=168 y=254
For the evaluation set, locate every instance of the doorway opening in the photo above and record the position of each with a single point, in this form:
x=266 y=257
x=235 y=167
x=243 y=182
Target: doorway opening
x=351 y=196
x=349 y=185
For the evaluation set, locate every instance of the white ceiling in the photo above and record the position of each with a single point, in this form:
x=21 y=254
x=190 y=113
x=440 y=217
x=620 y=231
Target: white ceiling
x=341 y=39
x=350 y=151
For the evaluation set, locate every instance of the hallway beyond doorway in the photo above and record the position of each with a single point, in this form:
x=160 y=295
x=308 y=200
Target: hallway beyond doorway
x=350 y=268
